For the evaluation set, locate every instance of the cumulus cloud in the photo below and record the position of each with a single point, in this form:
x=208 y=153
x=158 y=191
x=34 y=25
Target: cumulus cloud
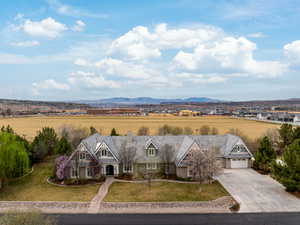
x=91 y=80
x=229 y=54
x=49 y=85
x=48 y=27
x=25 y=44
x=79 y=26
x=140 y=43
x=292 y=51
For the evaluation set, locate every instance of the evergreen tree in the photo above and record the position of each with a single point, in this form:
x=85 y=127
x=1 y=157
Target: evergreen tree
x=44 y=143
x=289 y=173
x=265 y=155
x=114 y=132
x=286 y=136
x=63 y=147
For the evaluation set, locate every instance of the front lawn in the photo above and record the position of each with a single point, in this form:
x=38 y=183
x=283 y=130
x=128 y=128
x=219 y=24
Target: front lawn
x=164 y=192
x=34 y=187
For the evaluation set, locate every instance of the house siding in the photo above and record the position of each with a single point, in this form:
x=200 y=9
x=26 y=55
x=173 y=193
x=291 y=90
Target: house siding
x=181 y=172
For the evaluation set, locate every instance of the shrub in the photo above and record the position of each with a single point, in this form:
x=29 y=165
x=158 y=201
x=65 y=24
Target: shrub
x=235 y=207
x=125 y=176
x=184 y=179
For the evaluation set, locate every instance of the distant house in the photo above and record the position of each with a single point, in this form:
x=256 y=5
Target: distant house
x=264 y=116
x=296 y=118
x=107 y=152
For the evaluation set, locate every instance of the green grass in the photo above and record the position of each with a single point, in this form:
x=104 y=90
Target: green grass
x=163 y=192
x=34 y=187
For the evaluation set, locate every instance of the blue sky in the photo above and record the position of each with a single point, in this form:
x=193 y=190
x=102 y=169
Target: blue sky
x=78 y=49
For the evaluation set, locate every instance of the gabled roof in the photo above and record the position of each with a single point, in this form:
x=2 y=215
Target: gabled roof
x=150 y=141
x=181 y=144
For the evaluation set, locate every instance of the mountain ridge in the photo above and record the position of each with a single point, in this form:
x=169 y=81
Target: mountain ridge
x=146 y=100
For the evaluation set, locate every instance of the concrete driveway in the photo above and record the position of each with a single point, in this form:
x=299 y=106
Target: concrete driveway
x=256 y=192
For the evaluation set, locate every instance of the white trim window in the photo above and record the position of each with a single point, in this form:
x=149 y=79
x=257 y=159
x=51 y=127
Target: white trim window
x=151 y=166
x=89 y=172
x=104 y=153
x=127 y=168
x=82 y=155
x=73 y=172
x=151 y=150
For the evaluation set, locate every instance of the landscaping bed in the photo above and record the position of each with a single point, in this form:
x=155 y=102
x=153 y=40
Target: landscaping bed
x=35 y=187
x=164 y=192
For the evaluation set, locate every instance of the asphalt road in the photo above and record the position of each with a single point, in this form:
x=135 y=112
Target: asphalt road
x=182 y=219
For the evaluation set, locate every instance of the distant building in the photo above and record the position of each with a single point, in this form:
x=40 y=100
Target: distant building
x=188 y=113
x=115 y=111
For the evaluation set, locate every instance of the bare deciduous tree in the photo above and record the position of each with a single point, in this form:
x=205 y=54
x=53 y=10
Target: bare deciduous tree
x=204 y=130
x=143 y=131
x=214 y=131
x=187 y=131
x=73 y=134
x=128 y=153
x=167 y=156
x=203 y=163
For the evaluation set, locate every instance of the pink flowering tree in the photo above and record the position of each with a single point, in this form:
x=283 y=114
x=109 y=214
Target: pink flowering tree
x=60 y=165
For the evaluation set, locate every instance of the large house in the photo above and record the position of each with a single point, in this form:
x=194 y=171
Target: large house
x=96 y=150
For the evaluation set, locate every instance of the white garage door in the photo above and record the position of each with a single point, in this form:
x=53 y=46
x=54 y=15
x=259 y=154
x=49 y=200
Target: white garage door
x=239 y=163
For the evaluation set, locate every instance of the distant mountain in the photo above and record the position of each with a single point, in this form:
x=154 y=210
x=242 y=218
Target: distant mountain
x=145 y=100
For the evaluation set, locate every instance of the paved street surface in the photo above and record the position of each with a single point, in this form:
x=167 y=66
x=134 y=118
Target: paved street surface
x=181 y=219
x=258 y=193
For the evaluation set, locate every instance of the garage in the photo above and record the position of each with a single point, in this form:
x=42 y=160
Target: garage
x=239 y=163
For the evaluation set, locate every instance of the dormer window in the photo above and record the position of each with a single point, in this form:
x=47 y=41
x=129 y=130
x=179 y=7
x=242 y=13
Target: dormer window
x=151 y=150
x=104 y=153
x=82 y=155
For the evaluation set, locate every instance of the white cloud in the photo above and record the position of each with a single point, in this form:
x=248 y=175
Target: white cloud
x=91 y=80
x=201 y=78
x=45 y=28
x=82 y=62
x=115 y=67
x=79 y=26
x=234 y=55
x=141 y=44
x=49 y=85
x=69 y=10
x=25 y=44
x=256 y=35
x=292 y=52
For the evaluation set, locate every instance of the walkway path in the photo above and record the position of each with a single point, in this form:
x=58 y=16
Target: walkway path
x=103 y=190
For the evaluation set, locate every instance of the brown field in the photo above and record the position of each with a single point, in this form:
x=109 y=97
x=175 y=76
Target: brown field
x=28 y=126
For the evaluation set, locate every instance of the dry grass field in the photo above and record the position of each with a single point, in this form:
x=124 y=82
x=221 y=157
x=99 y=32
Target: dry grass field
x=28 y=126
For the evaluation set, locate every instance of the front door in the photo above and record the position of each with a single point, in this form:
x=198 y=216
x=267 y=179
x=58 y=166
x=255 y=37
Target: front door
x=110 y=170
